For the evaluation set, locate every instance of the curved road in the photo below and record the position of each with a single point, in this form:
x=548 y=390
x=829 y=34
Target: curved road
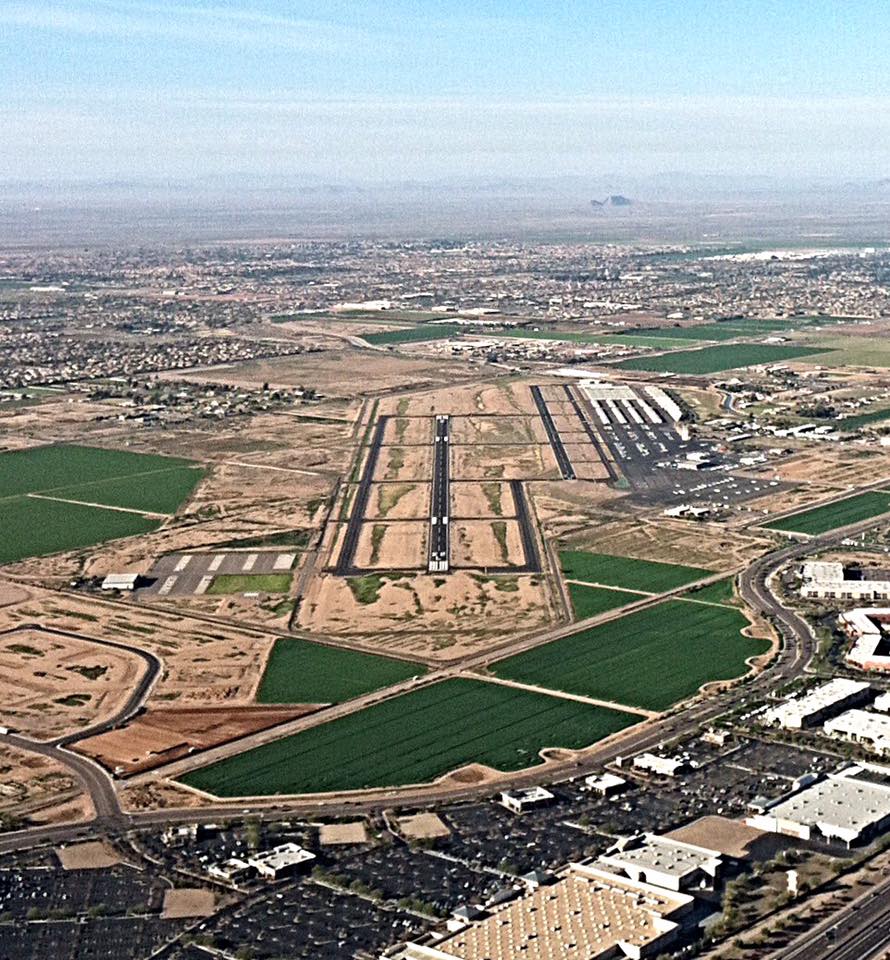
x=792 y=661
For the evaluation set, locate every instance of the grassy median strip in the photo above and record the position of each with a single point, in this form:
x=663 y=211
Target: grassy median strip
x=414 y=738
x=250 y=583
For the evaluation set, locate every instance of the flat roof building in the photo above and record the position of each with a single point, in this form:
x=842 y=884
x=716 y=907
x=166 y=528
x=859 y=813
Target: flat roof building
x=860 y=726
x=667 y=863
x=586 y=912
x=605 y=785
x=280 y=861
x=121 y=581
x=851 y=806
x=518 y=801
x=829 y=581
x=663 y=766
x=870 y=629
x=817 y=705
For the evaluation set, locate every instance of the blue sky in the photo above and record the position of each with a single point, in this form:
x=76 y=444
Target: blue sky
x=393 y=90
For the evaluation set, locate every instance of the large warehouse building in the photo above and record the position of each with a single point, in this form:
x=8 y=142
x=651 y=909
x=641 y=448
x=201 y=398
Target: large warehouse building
x=850 y=806
x=586 y=912
x=817 y=705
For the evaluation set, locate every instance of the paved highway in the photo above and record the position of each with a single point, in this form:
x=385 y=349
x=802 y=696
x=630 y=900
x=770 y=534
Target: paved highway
x=859 y=931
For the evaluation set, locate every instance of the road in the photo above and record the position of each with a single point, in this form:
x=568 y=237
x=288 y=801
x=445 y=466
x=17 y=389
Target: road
x=791 y=661
x=360 y=504
x=559 y=451
x=859 y=931
x=590 y=430
x=440 y=499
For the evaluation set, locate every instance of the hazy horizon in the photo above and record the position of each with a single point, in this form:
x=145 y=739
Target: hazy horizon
x=97 y=90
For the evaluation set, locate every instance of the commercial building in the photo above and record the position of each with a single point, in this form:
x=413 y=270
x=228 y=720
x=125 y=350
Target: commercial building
x=860 y=726
x=832 y=581
x=518 y=801
x=605 y=785
x=281 y=861
x=121 y=581
x=586 y=912
x=870 y=629
x=233 y=870
x=851 y=806
x=662 y=766
x=663 y=862
x=818 y=704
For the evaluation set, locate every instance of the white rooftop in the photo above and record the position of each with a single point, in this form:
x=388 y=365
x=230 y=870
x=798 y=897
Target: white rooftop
x=862 y=725
x=793 y=712
x=845 y=803
x=653 y=852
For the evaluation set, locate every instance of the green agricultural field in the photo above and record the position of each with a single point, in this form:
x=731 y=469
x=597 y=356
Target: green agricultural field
x=728 y=356
x=93 y=478
x=438 y=331
x=298 y=671
x=226 y=583
x=730 y=330
x=414 y=738
x=160 y=492
x=848 y=424
x=44 y=469
x=592 y=601
x=651 y=658
x=33 y=528
x=819 y=520
x=721 y=591
x=627 y=573
x=576 y=336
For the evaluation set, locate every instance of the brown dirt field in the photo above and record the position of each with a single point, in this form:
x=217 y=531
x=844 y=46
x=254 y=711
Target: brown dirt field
x=408 y=430
x=347 y=834
x=423 y=826
x=333 y=372
x=399 y=501
x=34 y=787
x=187 y=902
x=403 y=544
x=405 y=463
x=504 y=397
x=828 y=468
x=487 y=499
x=39 y=671
x=475 y=544
x=427 y=616
x=503 y=463
x=12 y=593
x=92 y=855
x=581 y=453
x=732 y=838
x=590 y=470
x=158 y=795
x=700 y=545
x=164 y=734
x=565 y=423
x=488 y=430
x=204 y=664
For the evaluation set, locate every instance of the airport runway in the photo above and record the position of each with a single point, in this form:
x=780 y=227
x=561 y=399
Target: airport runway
x=439 y=507
x=346 y=561
x=559 y=451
